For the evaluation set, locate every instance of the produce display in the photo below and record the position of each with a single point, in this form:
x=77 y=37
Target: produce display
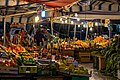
x=112 y=56
x=101 y=41
x=81 y=43
x=26 y=59
x=15 y=55
x=71 y=68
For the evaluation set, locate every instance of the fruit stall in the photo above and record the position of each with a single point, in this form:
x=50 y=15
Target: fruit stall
x=59 y=39
x=26 y=61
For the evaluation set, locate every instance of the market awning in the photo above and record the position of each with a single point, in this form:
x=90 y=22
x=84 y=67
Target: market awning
x=95 y=7
x=59 y=3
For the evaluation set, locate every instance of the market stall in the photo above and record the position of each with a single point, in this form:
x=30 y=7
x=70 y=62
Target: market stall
x=53 y=57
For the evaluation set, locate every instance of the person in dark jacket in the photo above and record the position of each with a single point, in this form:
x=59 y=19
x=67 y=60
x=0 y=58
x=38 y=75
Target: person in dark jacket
x=39 y=38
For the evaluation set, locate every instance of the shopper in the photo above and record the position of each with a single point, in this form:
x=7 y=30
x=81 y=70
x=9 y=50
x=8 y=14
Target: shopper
x=8 y=38
x=47 y=37
x=39 y=38
x=22 y=34
x=17 y=37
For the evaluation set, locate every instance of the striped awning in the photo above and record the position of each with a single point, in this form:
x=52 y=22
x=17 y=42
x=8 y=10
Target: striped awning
x=95 y=7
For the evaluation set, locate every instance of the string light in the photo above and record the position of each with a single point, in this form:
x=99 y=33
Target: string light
x=60 y=19
x=36 y=18
x=78 y=25
x=65 y=21
x=78 y=19
x=82 y=23
x=76 y=14
x=96 y=23
x=91 y=29
x=72 y=22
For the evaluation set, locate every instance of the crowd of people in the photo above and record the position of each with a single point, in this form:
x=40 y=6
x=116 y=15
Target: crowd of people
x=41 y=37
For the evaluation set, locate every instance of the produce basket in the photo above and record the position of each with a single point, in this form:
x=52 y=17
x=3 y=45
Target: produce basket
x=27 y=69
x=46 y=67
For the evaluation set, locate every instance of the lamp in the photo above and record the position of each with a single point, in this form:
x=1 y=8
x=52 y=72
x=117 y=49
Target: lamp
x=36 y=18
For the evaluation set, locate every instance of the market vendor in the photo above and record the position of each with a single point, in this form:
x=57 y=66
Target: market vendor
x=47 y=37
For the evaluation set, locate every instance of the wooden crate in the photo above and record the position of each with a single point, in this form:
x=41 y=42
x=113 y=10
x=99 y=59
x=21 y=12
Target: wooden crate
x=102 y=63
x=68 y=52
x=84 y=56
x=99 y=62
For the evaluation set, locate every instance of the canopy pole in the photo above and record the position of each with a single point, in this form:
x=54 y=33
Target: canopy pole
x=52 y=26
x=69 y=28
x=86 y=33
x=4 y=30
x=74 y=32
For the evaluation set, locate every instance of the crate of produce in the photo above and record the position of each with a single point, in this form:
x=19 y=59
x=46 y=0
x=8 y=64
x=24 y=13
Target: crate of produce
x=8 y=70
x=84 y=56
x=28 y=69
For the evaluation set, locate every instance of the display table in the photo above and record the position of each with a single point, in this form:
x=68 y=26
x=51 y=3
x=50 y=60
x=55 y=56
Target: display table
x=99 y=62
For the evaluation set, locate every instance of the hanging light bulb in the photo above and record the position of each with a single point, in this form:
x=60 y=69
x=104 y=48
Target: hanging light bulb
x=60 y=19
x=76 y=14
x=65 y=21
x=78 y=19
x=36 y=18
x=65 y=17
x=91 y=29
x=96 y=23
x=78 y=25
x=82 y=23
x=72 y=22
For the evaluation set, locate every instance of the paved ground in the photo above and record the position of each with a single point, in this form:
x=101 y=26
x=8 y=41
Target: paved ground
x=95 y=74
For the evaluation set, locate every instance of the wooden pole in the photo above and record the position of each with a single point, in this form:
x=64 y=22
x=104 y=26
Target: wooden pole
x=86 y=32
x=52 y=26
x=74 y=32
x=4 y=31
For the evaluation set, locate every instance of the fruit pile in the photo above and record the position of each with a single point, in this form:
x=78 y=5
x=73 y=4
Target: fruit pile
x=81 y=43
x=21 y=56
x=99 y=39
x=15 y=48
x=73 y=69
x=7 y=62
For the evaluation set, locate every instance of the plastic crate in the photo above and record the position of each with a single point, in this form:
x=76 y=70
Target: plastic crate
x=80 y=78
x=28 y=69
